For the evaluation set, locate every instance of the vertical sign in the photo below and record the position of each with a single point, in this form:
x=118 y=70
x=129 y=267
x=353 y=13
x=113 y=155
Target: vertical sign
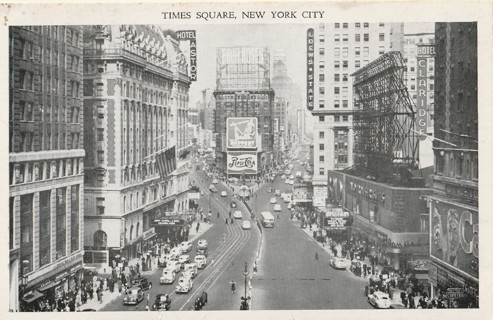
x=191 y=36
x=423 y=53
x=310 y=52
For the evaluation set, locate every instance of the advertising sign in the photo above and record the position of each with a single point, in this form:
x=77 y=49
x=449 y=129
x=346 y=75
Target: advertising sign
x=455 y=237
x=426 y=50
x=310 y=62
x=190 y=35
x=422 y=98
x=337 y=220
x=242 y=163
x=241 y=133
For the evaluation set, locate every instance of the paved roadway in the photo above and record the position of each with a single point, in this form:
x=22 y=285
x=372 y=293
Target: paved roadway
x=289 y=277
x=229 y=246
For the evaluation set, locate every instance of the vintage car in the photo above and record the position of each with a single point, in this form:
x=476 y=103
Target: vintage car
x=273 y=200
x=215 y=181
x=202 y=251
x=168 y=276
x=162 y=302
x=186 y=246
x=135 y=296
x=224 y=194
x=278 y=193
x=277 y=208
x=142 y=282
x=174 y=265
x=201 y=261
x=246 y=225
x=176 y=251
x=339 y=263
x=184 y=285
x=379 y=300
x=212 y=188
x=238 y=214
x=190 y=269
x=202 y=244
x=183 y=259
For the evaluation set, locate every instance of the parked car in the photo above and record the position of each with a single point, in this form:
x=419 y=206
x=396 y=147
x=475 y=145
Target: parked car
x=202 y=243
x=246 y=225
x=224 y=194
x=134 y=297
x=379 y=300
x=168 y=276
x=184 y=285
x=201 y=261
x=162 y=302
x=186 y=246
x=190 y=269
x=339 y=263
x=277 y=207
x=273 y=200
x=142 y=282
x=184 y=258
x=238 y=214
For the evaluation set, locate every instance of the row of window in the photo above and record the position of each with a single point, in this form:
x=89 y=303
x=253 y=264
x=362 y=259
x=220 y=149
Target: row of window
x=26 y=113
x=457 y=164
x=337 y=104
x=357 y=37
x=37 y=171
x=70 y=89
x=336 y=118
x=48 y=141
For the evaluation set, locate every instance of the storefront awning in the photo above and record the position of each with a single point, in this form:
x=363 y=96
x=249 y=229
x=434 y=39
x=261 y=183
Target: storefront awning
x=30 y=297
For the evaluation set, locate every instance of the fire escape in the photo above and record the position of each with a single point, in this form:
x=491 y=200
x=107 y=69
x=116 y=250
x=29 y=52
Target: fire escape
x=385 y=147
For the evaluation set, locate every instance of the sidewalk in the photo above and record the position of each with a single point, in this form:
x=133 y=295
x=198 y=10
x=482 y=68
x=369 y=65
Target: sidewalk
x=396 y=293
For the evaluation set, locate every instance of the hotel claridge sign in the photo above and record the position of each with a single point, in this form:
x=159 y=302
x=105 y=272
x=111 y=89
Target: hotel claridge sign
x=154 y=167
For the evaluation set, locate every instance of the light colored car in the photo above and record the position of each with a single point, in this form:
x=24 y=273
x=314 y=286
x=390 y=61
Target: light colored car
x=202 y=243
x=246 y=225
x=339 y=263
x=212 y=188
x=238 y=214
x=273 y=200
x=277 y=208
x=278 y=193
x=201 y=261
x=168 y=276
x=215 y=181
x=135 y=296
x=184 y=285
x=291 y=182
x=224 y=194
x=379 y=300
x=190 y=269
x=291 y=177
x=287 y=198
x=186 y=246
x=184 y=258
x=283 y=177
x=287 y=181
x=174 y=265
x=177 y=251
x=290 y=206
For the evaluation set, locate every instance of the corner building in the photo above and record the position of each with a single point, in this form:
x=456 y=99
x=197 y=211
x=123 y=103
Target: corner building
x=135 y=102
x=46 y=159
x=454 y=215
x=340 y=50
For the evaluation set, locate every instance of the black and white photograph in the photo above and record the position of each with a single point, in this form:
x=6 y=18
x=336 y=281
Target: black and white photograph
x=242 y=157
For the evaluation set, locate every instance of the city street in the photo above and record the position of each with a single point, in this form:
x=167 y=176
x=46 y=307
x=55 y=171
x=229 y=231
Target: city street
x=302 y=282
x=229 y=247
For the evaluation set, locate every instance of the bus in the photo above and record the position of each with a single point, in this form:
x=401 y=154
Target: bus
x=267 y=219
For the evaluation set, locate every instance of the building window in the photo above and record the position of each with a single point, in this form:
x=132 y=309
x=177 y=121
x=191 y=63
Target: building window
x=61 y=223
x=366 y=24
x=337 y=52
x=365 y=62
x=321 y=159
x=321 y=104
x=344 y=118
x=336 y=118
x=321 y=118
x=44 y=227
x=337 y=37
x=381 y=37
x=337 y=104
x=100 y=156
x=344 y=91
x=357 y=37
x=26 y=111
x=321 y=38
x=321 y=147
x=381 y=50
x=27 y=80
x=357 y=63
x=74 y=218
x=322 y=66
x=337 y=64
x=366 y=51
x=337 y=25
x=321 y=171
x=345 y=77
x=100 y=206
x=345 y=25
x=100 y=239
x=336 y=77
x=27 y=50
x=381 y=24
x=321 y=134
x=336 y=90
x=321 y=90
x=345 y=37
x=344 y=103
x=100 y=134
x=322 y=51
x=345 y=64
x=345 y=52
x=357 y=51
x=366 y=37
x=357 y=25
x=321 y=77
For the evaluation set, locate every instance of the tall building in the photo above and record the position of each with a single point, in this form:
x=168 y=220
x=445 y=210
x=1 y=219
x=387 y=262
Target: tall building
x=46 y=159
x=339 y=50
x=280 y=124
x=419 y=54
x=136 y=103
x=243 y=91
x=454 y=228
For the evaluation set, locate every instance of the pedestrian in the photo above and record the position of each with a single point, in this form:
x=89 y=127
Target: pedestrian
x=316 y=256
x=233 y=286
x=226 y=221
x=218 y=214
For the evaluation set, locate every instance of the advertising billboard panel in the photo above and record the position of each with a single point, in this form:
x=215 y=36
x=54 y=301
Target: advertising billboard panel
x=310 y=71
x=241 y=133
x=242 y=162
x=190 y=35
x=337 y=220
x=455 y=237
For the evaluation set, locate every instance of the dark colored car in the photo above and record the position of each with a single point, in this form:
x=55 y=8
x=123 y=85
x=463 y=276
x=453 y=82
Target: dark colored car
x=142 y=282
x=202 y=251
x=162 y=302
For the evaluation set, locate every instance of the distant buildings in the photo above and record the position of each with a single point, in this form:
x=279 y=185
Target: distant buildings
x=453 y=208
x=46 y=158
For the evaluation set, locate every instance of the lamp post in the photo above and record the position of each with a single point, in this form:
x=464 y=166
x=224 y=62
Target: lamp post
x=245 y=273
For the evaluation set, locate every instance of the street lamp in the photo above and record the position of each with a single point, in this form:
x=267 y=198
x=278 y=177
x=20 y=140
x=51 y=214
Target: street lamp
x=245 y=273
